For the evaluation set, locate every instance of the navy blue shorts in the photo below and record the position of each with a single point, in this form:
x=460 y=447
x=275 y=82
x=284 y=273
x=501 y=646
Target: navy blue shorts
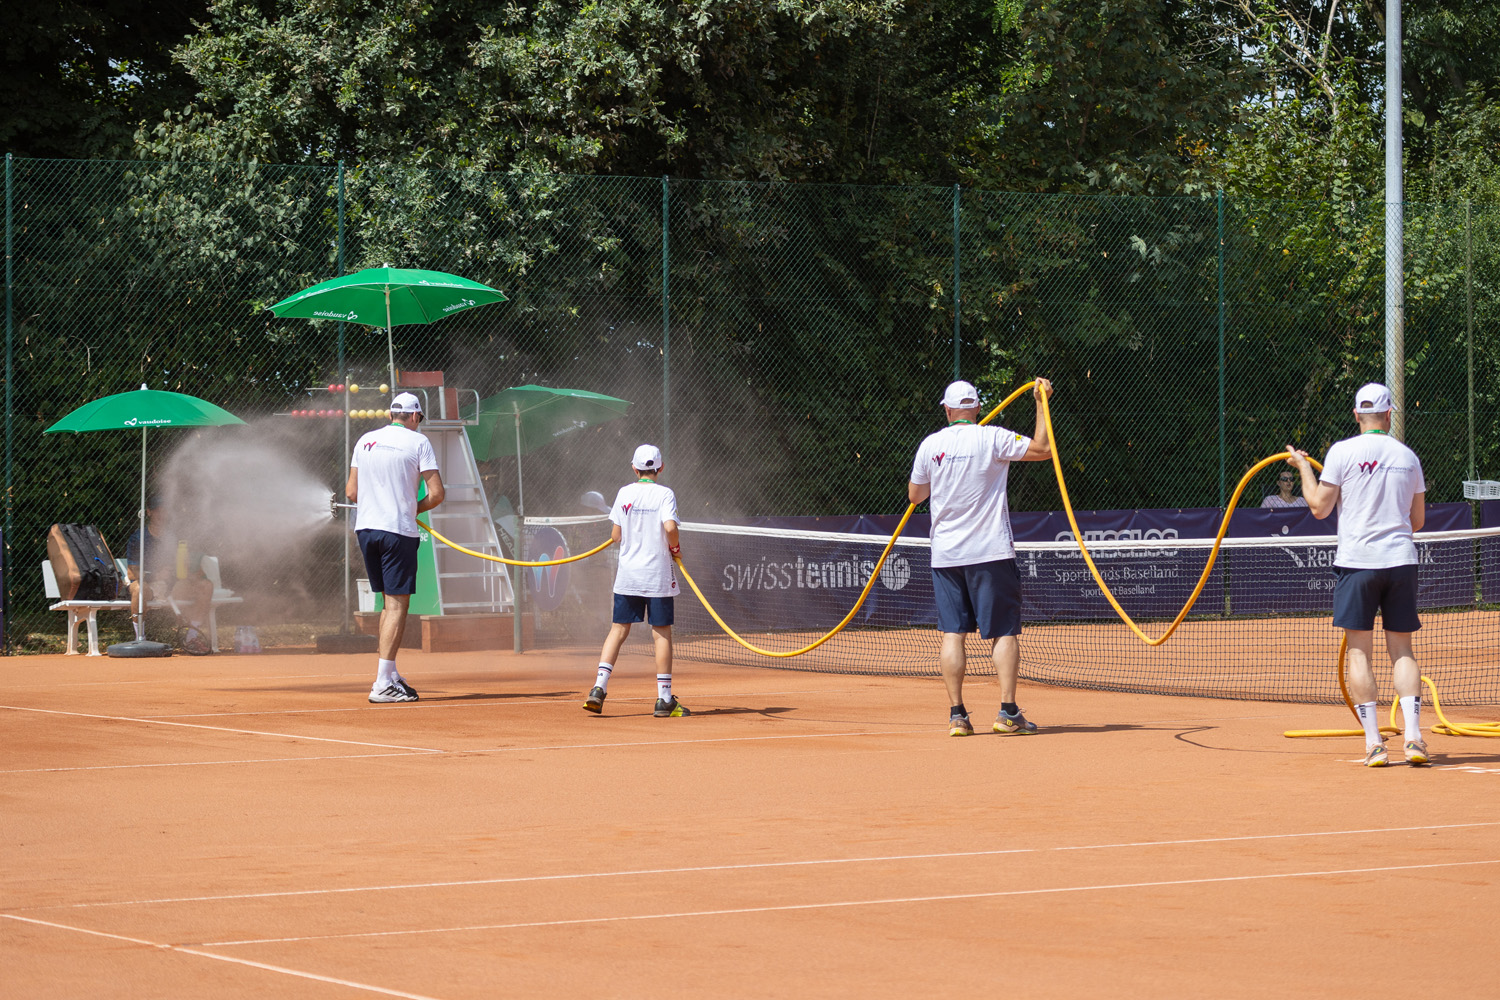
x=984 y=596
x=390 y=561
x=1359 y=593
x=630 y=609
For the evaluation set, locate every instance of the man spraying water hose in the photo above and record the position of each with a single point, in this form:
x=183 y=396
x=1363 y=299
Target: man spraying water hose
x=1376 y=484
x=383 y=474
x=963 y=470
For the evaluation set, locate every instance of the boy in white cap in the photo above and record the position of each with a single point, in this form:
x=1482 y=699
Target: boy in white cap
x=645 y=527
x=388 y=462
x=963 y=470
x=1376 y=484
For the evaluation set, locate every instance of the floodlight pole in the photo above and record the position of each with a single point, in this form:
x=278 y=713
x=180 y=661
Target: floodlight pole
x=1395 y=196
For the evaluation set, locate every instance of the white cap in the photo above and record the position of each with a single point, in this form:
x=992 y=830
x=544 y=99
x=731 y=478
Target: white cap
x=961 y=396
x=406 y=402
x=647 y=458
x=1373 y=398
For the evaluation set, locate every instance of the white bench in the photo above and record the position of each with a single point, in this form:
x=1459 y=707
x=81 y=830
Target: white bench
x=87 y=611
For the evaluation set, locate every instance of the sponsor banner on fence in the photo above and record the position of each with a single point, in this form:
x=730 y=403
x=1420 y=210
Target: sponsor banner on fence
x=1489 y=548
x=764 y=583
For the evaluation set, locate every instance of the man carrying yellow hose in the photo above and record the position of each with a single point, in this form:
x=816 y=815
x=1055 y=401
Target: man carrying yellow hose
x=1376 y=484
x=963 y=469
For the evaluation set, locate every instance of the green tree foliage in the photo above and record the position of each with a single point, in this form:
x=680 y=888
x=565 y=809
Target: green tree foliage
x=81 y=75
x=1118 y=95
x=793 y=90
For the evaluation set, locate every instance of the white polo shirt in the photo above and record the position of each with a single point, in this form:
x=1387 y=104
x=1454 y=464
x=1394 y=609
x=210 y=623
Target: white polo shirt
x=390 y=460
x=1377 y=477
x=967 y=467
x=646 y=568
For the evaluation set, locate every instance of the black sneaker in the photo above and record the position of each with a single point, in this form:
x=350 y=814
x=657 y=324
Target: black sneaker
x=673 y=709
x=595 y=701
x=392 y=693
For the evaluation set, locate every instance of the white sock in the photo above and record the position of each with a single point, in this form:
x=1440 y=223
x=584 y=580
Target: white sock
x=1411 y=710
x=1369 y=717
x=664 y=687
x=385 y=674
x=602 y=681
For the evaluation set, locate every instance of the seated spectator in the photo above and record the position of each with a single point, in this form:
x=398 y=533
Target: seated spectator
x=174 y=572
x=1286 y=492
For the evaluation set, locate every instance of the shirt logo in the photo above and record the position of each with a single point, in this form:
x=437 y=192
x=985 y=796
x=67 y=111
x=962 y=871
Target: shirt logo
x=1368 y=467
x=626 y=507
x=938 y=458
x=369 y=445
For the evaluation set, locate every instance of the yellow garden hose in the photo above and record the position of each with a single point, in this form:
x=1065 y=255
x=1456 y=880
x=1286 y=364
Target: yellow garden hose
x=513 y=562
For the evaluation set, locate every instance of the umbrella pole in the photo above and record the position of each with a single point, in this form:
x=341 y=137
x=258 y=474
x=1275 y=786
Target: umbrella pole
x=390 y=347
x=138 y=618
x=520 y=536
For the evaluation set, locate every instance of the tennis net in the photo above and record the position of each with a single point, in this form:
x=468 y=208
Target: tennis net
x=1261 y=629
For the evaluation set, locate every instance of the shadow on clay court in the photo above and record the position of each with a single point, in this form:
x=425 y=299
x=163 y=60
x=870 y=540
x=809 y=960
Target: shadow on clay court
x=515 y=696
x=769 y=712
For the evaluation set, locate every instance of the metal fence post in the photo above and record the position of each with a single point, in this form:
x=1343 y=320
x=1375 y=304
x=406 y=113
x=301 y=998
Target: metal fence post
x=1219 y=199
x=666 y=320
x=956 y=275
x=346 y=624
x=10 y=376
x=1469 y=319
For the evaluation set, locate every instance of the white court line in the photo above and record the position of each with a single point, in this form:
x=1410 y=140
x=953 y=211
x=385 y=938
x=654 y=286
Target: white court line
x=838 y=904
x=223 y=958
x=497 y=701
x=427 y=752
x=152 y=680
x=760 y=865
x=217 y=729
x=211 y=763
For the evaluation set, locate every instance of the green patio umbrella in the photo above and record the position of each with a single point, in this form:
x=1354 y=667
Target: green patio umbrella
x=143 y=408
x=388 y=296
x=523 y=418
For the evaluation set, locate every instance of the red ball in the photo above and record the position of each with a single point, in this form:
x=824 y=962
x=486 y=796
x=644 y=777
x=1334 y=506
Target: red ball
x=339 y=387
x=332 y=387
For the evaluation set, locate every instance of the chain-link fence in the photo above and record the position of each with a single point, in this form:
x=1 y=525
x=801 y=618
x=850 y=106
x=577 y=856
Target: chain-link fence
x=786 y=345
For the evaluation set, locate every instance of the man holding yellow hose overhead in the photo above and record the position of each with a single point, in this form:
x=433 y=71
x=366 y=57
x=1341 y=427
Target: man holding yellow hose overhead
x=963 y=470
x=1376 y=484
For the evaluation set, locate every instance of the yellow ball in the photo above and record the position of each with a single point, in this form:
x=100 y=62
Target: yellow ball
x=353 y=389
x=357 y=414
x=385 y=413
x=384 y=387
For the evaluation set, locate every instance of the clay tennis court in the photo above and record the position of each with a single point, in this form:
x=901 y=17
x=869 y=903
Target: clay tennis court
x=248 y=826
